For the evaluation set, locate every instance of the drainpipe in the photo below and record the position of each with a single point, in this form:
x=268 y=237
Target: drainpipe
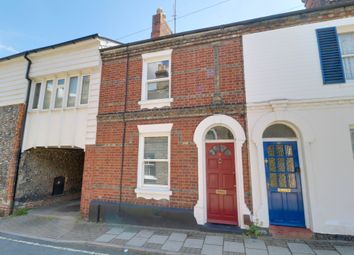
x=22 y=131
x=124 y=128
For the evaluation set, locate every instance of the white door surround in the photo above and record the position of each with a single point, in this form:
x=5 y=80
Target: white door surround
x=305 y=138
x=200 y=209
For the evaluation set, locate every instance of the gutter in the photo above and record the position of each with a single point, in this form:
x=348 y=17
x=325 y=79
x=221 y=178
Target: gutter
x=58 y=45
x=22 y=130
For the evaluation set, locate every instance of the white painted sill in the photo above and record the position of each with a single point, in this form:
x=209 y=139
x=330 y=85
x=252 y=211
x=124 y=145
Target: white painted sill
x=157 y=103
x=153 y=193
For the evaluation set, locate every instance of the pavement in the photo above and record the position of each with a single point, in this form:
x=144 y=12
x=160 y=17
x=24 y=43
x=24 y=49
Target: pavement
x=62 y=225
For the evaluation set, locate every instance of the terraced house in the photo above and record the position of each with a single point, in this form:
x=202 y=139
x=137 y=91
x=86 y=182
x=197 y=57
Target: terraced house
x=218 y=127
x=175 y=112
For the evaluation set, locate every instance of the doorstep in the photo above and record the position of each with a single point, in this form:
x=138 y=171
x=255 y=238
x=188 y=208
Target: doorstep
x=290 y=232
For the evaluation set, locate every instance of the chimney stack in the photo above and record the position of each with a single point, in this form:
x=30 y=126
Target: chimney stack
x=159 y=25
x=320 y=3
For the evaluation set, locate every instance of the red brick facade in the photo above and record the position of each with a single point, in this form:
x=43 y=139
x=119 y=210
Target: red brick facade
x=193 y=91
x=207 y=79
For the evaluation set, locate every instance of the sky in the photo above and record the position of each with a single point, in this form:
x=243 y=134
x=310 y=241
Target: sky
x=29 y=24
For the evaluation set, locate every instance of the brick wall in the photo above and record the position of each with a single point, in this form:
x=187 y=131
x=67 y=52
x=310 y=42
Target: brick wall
x=11 y=118
x=193 y=90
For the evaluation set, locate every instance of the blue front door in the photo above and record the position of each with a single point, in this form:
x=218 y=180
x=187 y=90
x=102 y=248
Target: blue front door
x=286 y=207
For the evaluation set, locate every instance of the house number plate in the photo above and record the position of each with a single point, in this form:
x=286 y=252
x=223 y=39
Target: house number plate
x=221 y=192
x=284 y=190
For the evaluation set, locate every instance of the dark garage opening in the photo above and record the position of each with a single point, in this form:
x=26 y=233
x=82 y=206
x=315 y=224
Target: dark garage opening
x=49 y=175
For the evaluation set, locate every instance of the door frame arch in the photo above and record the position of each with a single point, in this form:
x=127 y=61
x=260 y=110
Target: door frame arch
x=304 y=139
x=200 y=209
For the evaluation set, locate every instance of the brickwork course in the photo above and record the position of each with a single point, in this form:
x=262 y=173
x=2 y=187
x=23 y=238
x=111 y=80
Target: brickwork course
x=207 y=78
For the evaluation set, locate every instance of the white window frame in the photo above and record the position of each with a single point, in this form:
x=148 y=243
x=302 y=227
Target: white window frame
x=351 y=138
x=81 y=80
x=56 y=87
x=33 y=90
x=68 y=90
x=151 y=191
x=150 y=58
x=55 y=79
x=52 y=96
x=346 y=29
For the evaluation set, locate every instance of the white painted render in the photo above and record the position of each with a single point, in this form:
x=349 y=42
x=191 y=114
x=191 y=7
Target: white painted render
x=72 y=127
x=284 y=85
x=285 y=64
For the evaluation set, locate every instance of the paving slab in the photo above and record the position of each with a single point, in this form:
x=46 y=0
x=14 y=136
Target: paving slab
x=345 y=250
x=256 y=252
x=179 y=237
x=326 y=252
x=193 y=243
x=300 y=248
x=106 y=238
x=158 y=239
x=126 y=235
x=172 y=246
x=145 y=233
x=210 y=249
x=215 y=240
x=255 y=244
x=234 y=247
x=137 y=241
x=275 y=250
x=115 y=231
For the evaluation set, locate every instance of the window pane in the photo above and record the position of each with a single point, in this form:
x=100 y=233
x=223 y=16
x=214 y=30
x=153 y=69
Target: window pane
x=272 y=166
x=282 y=180
x=352 y=136
x=72 y=91
x=48 y=94
x=349 y=68
x=279 y=131
x=273 y=181
x=156 y=173
x=37 y=91
x=158 y=90
x=158 y=70
x=156 y=148
x=219 y=133
x=347 y=43
x=85 y=89
x=292 y=181
x=281 y=164
x=59 y=95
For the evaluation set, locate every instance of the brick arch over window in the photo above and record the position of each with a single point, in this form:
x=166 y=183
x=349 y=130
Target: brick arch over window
x=200 y=209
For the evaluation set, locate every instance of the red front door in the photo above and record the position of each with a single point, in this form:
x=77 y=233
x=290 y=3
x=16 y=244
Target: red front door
x=221 y=183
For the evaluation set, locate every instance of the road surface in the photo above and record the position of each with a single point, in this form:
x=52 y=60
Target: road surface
x=14 y=245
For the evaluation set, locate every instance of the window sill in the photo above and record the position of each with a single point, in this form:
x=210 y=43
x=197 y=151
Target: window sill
x=156 y=103
x=153 y=193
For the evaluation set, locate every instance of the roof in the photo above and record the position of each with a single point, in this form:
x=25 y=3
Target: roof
x=54 y=46
x=235 y=24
